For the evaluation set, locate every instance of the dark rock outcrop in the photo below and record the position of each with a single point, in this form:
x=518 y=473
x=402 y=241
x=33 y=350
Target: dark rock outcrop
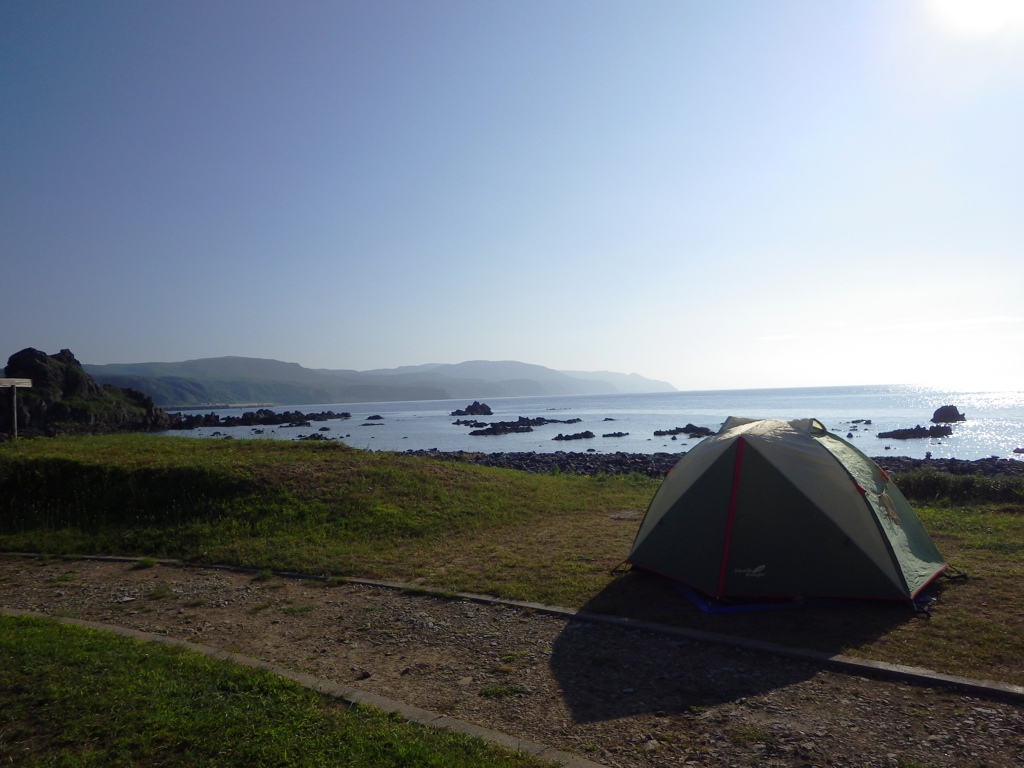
x=652 y=465
x=689 y=430
x=262 y=417
x=509 y=427
x=576 y=436
x=658 y=464
x=948 y=414
x=523 y=424
x=65 y=399
x=918 y=432
x=475 y=409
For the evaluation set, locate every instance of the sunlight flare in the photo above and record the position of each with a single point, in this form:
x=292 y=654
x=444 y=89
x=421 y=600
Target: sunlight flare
x=978 y=19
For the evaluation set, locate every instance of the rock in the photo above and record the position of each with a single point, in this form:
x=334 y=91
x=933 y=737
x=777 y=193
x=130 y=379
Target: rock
x=577 y=436
x=261 y=417
x=948 y=414
x=523 y=424
x=65 y=399
x=508 y=427
x=475 y=409
x=658 y=464
x=690 y=430
x=918 y=432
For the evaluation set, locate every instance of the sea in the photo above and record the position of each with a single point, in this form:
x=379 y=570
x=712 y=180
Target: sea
x=994 y=425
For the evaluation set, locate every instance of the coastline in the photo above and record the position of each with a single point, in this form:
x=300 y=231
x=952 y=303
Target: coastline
x=658 y=464
x=639 y=423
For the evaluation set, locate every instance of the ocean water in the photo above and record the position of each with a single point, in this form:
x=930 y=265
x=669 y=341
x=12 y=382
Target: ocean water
x=994 y=426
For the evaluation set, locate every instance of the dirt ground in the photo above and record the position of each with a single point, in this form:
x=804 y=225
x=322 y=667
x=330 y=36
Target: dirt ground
x=616 y=696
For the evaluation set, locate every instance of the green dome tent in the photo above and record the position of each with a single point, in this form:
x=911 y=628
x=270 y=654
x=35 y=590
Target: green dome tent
x=777 y=509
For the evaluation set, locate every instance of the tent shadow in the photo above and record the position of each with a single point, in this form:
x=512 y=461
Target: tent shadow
x=607 y=672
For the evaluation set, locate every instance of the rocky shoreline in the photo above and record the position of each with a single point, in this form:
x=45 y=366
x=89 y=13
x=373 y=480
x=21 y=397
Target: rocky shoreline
x=658 y=464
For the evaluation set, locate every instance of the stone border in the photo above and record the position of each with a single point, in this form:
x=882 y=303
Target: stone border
x=839 y=662
x=345 y=693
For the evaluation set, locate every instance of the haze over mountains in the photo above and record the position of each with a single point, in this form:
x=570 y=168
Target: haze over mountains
x=248 y=380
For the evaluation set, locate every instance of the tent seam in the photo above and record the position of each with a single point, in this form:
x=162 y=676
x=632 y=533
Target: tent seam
x=736 y=470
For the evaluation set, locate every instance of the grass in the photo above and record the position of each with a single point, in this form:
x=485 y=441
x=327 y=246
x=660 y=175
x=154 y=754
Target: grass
x=76 y=697
x=329 y=510
x=315 y=508
x=501 y=690
x=297 y=610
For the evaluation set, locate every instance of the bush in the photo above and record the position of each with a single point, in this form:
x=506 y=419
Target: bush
x=927 y=485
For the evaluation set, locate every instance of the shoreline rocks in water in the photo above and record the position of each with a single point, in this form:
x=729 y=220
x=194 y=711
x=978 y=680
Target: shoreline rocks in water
x=690 y=430
x=658 y=464
x=577 y=436
x=264 y=417
x=524 y=424
x=474 y=409
x=912 y=433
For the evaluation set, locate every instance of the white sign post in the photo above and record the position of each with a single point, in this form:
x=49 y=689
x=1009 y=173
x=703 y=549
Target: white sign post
x=14 y=384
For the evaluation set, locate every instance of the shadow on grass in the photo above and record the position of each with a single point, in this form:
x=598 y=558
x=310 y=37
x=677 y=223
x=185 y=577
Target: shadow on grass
x=607 y=673
x=55 y=493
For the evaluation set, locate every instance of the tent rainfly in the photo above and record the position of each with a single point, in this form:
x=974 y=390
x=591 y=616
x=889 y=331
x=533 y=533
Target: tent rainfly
x=770 y=509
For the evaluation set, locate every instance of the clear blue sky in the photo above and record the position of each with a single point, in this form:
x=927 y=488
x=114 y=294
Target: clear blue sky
x=720 y=194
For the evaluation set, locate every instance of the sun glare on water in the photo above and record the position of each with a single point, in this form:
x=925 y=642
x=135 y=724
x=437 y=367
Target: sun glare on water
x=978 y=19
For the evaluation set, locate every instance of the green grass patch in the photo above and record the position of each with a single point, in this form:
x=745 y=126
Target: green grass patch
x=333 y=511
x=314 y=508
x=73 y=696
x=297 y=610
x=159 y=592
x=502 y=690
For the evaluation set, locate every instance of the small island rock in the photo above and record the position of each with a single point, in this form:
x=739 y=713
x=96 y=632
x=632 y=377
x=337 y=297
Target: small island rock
x=476 y=409
x=948 y=414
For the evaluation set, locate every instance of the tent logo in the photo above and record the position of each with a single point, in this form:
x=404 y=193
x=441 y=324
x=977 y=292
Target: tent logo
x=751 y=573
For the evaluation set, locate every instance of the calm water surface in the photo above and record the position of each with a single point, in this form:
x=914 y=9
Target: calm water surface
x=994 y=426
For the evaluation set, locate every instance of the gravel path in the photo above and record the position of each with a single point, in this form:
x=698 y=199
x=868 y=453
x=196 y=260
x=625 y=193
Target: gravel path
x=617 y=696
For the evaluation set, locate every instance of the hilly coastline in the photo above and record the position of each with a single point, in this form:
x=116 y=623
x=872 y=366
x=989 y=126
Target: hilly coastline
x=246 y=380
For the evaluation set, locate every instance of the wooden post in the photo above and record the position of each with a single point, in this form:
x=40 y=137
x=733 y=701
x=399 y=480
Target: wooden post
x=14 y=384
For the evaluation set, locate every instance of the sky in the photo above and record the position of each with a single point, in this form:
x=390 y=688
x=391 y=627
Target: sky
x=721 y=194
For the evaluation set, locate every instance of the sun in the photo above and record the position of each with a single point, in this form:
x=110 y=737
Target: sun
x=978 y=19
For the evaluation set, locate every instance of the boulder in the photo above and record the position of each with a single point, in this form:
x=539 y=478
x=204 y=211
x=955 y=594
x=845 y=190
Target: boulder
x=948 y=414
x=690 y=430
x=576 y=436
x=475 y=409
x=918 y=432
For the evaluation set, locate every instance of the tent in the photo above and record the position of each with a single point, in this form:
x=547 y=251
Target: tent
x=770 y=509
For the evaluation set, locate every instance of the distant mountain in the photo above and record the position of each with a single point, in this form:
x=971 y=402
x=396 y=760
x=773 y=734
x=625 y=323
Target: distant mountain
x=626 y=382
x=248 y=380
